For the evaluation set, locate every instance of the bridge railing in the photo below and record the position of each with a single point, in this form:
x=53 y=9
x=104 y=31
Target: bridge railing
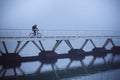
x=27 y=32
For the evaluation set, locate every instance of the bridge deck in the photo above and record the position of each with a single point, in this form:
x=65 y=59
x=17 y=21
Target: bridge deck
x=54 y=37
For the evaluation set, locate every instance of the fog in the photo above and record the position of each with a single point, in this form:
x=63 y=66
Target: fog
x=60 y=14
x=55 y=15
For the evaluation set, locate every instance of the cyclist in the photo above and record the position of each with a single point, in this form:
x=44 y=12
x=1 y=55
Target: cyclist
x=35 y=29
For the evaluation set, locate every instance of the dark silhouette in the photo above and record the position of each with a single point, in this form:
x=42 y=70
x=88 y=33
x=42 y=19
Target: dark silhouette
x=14 y=60
x=35 y=29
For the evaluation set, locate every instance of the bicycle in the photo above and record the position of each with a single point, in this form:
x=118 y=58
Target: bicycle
x=37 y=34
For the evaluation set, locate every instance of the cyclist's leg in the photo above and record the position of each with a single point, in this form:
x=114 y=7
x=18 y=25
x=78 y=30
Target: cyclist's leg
x=37 y=33
x=34 y=33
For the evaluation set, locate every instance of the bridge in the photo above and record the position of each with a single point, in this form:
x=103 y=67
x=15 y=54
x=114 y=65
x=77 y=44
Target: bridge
x=13 y=60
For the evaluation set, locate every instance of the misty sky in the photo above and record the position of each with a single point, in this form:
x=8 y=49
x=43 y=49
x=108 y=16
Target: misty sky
x=60 y=14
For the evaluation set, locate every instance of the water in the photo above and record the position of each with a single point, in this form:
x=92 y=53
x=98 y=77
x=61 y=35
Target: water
x=31 y=50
